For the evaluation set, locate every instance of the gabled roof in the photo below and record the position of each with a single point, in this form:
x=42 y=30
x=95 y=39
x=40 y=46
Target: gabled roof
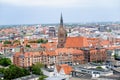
x=76 y=42
x=67 y=69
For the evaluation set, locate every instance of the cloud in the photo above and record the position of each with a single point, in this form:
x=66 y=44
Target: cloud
x=62 y=3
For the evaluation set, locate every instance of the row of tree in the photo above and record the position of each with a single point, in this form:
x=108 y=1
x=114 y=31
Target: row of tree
x=13 y=71
x=9 y=42
x=32 y=41
x=38 y=41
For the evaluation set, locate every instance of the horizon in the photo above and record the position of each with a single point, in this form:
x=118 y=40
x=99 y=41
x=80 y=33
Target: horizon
x=71 y=23
x=15 y=12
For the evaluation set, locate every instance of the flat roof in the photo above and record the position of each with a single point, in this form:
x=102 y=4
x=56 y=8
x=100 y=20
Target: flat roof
x=55 y=78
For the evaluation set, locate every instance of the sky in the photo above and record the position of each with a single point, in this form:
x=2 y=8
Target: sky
x=49 y=11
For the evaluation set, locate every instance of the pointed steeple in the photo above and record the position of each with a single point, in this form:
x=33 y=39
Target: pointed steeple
x=61 y=34
x=61 y=21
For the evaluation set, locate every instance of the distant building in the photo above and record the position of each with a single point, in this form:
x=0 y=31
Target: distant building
x=94 y=55
x=52 y=32
x=102 y=28
x=88 y=73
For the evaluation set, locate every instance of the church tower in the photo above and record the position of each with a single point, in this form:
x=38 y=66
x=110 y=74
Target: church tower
x=61 y=34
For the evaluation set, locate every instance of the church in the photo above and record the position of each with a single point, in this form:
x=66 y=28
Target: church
x=91 y=53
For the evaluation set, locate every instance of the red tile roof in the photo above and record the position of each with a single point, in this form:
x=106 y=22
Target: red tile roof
x=67 y=69
x=76 y=42
x=68 y=50
x=50 y=45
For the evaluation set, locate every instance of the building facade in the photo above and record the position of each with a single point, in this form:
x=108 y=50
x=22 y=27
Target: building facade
x=49 y=58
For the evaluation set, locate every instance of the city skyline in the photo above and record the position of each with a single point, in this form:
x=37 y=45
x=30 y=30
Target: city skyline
x=44 y=11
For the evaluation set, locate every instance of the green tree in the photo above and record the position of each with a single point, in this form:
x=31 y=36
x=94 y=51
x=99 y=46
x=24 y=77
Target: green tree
x=2 y=70
x=5 y=61
x=99 y=67
x=27 y=45
x=40 y=41
x=116 y=55
x=36 y=69
x=42 y=77
x=0 y=41
x=15 y=72
x=16 y=41
x=7 y=42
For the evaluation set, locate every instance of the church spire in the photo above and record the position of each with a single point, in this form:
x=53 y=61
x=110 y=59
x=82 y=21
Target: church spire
x=61 y=21
x=61 y=34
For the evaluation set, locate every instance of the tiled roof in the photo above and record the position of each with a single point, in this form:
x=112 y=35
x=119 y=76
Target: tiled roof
x=67 y=69
x=50 y=45
x=76 y=42
x=68 y=50
x=105 y=42
x=97 y=41
x=27 y=54
x=49 y=53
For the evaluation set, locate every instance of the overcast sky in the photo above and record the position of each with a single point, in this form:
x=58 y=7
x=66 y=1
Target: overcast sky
x=48 y=11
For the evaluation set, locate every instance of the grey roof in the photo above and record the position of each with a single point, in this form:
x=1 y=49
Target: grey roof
x=27 y=77
x=55 y=78
x=114 y=77
x=21 y=56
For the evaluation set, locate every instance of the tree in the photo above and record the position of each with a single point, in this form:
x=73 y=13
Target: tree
x=27 y=45
x=99 y=67
x=115 y=56
x=36 y=69
x=0 y=41
x=16 y=41
x=5 y=61
x=15 y=72
x=42 y=77
x=7 y=42
x=40 y=41
x=2 y=70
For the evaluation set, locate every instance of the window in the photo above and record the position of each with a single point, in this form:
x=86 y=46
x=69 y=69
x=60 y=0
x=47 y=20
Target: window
x=61 y=35
x=61 y=40
x=61 y=44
